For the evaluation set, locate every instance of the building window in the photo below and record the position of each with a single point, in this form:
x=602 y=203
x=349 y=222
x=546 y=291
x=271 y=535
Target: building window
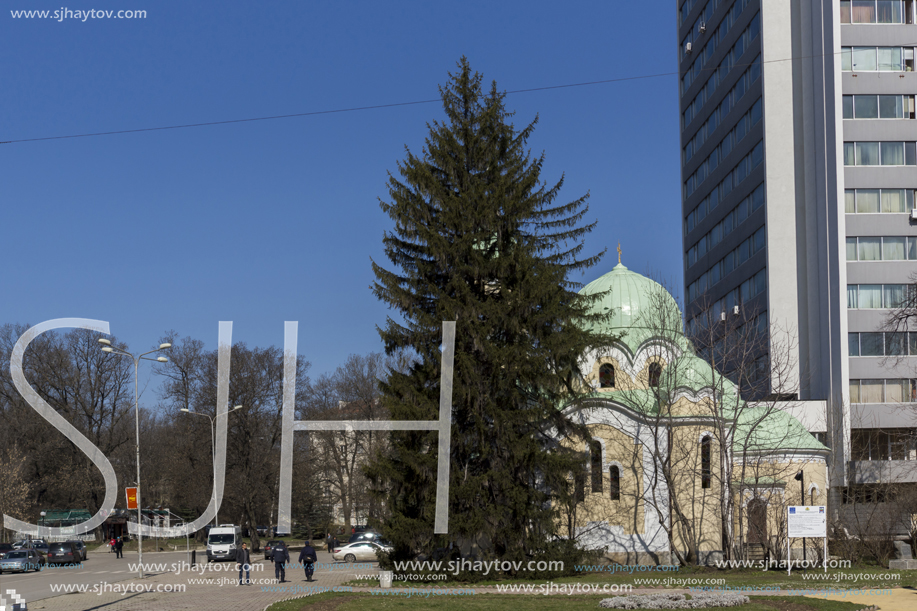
x=654 y=372
x=705 y=462
x=877 y=59
x=874 y=201
x=607 y=376
x=878 y=106
x=579 y=487
x=595 y=456
x=879 y=296
x=614 y=487
x=877 y=11
x=880 y=153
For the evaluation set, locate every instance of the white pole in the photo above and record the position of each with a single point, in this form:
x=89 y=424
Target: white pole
x=826 y=554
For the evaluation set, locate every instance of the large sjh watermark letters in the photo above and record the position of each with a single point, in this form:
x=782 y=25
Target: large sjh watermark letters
x=288 y=422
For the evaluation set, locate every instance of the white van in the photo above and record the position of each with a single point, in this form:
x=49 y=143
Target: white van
x=223 y=541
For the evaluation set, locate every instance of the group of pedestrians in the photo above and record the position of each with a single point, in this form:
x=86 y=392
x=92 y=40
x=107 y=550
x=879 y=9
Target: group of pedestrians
x=117 y=546
x=280 y=556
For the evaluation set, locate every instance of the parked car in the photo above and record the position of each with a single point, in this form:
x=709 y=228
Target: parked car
x=4 y=548
x=22 y=560
x=262 y=531
x=361 y=550
x=269 y=547
x=82 y=547
x=41 y=547
x=368 y=536
x=64 y=552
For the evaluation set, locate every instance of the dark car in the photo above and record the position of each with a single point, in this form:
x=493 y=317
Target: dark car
x=81 y=547
x=262 y=531
x=64 y=552
x=367 y=536
x=4 y=548
x=269 y=547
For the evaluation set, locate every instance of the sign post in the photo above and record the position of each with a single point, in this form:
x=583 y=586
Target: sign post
x=806 y=521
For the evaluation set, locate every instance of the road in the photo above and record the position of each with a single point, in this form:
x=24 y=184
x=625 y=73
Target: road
x=98 y=567
x=104 y=579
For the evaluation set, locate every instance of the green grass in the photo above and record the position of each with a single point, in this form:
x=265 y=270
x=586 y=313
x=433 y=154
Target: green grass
x=853 y=577
x=508 y=602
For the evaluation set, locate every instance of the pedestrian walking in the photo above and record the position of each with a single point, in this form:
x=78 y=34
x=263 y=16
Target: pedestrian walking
x=328 y=542
x=111 y=548
x=307 y=558
x=280 y=555
x=119 y=548
x=244 y=559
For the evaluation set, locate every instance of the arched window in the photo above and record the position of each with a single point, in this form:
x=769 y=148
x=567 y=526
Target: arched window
x=595 y=456
x=814 y=495
x=705 y=468
x=579 y=487
x=655 y=372
x=607 y=376
x=614 y=487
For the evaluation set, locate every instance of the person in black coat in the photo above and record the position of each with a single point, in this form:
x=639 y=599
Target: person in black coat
x=307 y=558
x=280 y=555
x=244 y=558
x=119 y=548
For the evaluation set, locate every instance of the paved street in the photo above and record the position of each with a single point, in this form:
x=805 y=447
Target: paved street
x=107 y=583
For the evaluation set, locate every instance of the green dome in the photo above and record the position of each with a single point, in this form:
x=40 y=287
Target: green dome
x=638 y=306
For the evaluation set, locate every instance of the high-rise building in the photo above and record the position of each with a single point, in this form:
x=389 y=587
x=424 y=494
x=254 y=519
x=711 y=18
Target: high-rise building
x=799 y=168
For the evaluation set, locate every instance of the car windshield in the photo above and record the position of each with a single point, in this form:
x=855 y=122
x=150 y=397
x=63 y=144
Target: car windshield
x=60 y=547
x=273 y=543
x=222 y=539
x=16 y=555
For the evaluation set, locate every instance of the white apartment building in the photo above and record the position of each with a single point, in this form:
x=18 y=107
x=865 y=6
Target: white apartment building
x=799 y=168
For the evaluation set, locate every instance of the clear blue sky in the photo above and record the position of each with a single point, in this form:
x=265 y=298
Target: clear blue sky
x=269 y=221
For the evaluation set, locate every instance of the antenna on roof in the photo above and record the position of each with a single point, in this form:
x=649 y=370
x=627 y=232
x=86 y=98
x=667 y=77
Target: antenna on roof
x=619 y=253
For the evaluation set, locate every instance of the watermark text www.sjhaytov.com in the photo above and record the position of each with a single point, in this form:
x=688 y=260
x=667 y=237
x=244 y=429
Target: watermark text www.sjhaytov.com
x=66 y=14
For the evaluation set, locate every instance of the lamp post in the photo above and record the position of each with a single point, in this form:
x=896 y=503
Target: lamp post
x=213 y=451
x=801 y=478
x=107 y=347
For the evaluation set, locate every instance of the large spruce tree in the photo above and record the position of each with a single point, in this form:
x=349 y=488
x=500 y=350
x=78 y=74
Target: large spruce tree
x=479 y=239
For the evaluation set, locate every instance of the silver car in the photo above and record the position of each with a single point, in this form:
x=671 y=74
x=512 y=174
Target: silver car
x=361 y=550
x=81 y=547
x=22 y=560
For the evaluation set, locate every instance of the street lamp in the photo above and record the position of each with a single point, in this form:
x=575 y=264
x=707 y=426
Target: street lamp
x=107 y=347
x=800 y=477
x=213 y=452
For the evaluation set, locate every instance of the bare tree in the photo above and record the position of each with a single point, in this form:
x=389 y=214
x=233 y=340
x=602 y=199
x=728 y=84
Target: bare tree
x=350 y=393
x=92 y=392
x=14 y=486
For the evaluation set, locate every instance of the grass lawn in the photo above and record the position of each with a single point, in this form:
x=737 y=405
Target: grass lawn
x=509 y=602
x=853 y=577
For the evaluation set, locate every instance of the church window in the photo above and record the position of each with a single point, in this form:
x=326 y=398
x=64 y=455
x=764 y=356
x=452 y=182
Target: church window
x=654 y=373
x=705 y=461
x=579 y=487
x=595 y=455
x=614 y=487
x=607 y=376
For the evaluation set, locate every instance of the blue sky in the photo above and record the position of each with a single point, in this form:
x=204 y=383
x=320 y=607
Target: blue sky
x=269 y=221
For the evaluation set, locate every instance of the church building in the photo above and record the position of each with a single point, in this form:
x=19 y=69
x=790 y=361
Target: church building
x=680 y=467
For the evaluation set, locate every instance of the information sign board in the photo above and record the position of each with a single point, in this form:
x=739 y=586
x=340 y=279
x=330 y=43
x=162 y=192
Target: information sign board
x=807 y=521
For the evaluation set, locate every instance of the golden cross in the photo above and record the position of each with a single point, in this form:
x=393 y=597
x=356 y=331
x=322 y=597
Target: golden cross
x=619 y=253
